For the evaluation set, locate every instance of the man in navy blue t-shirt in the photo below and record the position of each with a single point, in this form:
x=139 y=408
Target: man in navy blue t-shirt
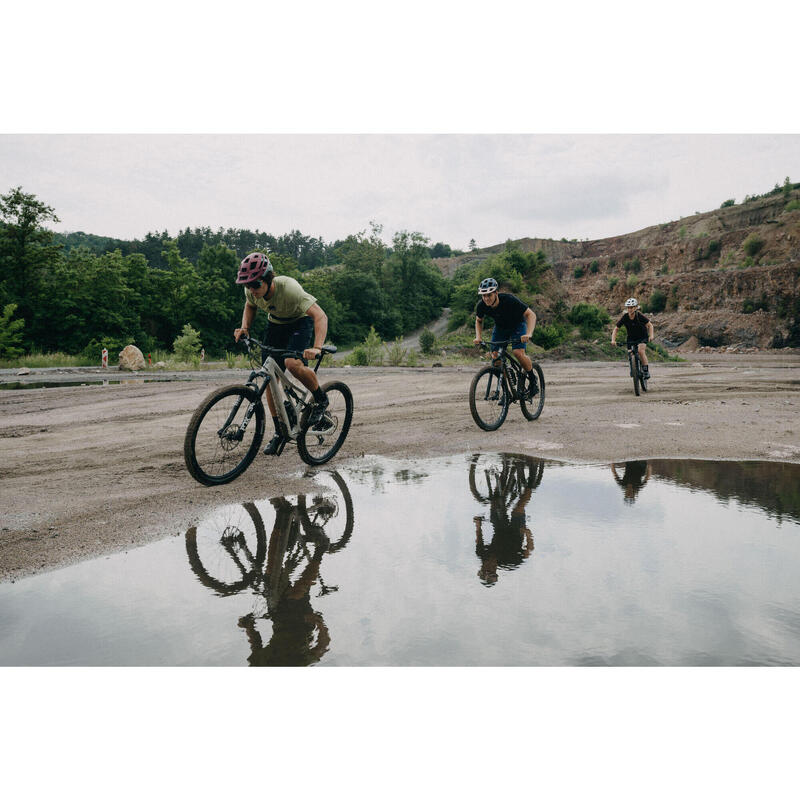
x=513 y=320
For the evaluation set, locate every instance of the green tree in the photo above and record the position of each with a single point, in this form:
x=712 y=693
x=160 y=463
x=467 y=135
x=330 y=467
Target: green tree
x=10 y=333
x=187 y=346
x=27 y=251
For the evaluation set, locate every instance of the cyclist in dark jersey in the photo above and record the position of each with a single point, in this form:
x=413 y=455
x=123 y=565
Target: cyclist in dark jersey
x=638 y=327
x=513 y=320
x=636 y=475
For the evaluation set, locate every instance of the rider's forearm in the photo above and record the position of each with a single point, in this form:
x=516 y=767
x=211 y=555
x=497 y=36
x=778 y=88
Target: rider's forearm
x=478 y=329
x=320 y=330
x=248 y=315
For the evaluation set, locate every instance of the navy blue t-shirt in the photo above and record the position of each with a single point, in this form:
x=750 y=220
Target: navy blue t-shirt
x=507 y=314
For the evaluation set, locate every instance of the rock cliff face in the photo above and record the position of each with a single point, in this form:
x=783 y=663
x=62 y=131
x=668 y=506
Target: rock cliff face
x=727 y=277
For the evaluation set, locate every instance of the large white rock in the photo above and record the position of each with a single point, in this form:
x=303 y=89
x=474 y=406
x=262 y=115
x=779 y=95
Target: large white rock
x=131 y=358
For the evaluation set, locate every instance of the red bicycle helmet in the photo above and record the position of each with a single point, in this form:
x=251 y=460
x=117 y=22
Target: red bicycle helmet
x=253 y=267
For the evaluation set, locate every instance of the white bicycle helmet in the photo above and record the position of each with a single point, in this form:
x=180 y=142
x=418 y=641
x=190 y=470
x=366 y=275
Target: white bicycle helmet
x=488 y=285
x=631 y=302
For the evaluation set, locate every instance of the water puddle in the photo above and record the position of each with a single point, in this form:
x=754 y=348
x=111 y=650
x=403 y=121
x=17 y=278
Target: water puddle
x=468 y=560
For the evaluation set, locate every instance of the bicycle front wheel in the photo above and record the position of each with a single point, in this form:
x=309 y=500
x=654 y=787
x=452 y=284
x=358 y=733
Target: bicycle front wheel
x=634 y=372
x=532 y=406
x=321 y=443
x=488 y=399
x=223 y=438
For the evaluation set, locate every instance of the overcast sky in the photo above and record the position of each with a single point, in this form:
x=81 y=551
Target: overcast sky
x=451 y=188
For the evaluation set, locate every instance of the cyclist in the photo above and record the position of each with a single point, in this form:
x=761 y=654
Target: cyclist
x=295 y=321
x=513 y=320
x=636 y=475
x=638 y=327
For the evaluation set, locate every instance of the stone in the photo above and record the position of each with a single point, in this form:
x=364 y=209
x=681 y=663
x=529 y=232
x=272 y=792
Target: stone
x=24 y=371
x=131 y=359
x=160 y=365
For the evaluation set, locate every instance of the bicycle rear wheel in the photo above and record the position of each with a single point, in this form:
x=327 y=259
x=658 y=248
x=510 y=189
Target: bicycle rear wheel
x=488 y=399
x=330 y=511
x=216 y=447
x=634 y=363
x=532 y=406
x=321 y=443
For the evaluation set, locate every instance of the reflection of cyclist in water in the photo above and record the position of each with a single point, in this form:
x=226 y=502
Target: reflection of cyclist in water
x=633 y=479
x=299 y=634
x=512 y=541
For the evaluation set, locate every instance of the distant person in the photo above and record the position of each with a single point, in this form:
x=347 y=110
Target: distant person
x=639 y=329
x=295 y=321
x=636 y=475
x=513 y=320
x=512 y=540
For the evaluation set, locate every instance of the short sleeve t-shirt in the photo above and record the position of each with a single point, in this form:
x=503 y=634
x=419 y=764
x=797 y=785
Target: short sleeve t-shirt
x=635 y=327
x=288 y=303
x=507 y=314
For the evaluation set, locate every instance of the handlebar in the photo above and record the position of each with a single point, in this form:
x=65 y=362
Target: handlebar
x=250 y=341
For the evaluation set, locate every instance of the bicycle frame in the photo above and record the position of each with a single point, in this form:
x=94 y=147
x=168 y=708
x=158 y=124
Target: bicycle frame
x=282 y=388
x=508 y=364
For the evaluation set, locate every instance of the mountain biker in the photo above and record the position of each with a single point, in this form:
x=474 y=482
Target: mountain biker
x=295 y=321
x=636 y=475
x=638 y=327
x=513 y=320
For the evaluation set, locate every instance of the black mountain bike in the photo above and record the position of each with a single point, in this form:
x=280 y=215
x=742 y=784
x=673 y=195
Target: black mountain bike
x=636 y=369
x=495 y=387
x=226 y=430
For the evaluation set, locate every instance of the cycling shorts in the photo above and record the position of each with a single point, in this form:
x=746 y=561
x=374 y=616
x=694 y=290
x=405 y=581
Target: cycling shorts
x=514 y=334
x=297 y=335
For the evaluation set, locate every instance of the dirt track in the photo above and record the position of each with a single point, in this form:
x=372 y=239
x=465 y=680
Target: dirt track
x=95 y=469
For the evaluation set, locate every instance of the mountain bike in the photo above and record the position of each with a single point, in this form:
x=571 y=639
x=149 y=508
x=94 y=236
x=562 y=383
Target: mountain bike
x=226 y=430
x=508 y=478
x=495 y=387
x=635 y=363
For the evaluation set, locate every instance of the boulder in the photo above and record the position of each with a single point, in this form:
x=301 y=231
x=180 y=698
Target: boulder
x=131 y=359
x=24 y=371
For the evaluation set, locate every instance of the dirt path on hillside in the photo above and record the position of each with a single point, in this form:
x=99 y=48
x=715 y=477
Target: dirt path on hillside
x=97 y=469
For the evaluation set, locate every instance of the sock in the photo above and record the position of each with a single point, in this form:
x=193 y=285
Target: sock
x=319 y=395
x=276 y=423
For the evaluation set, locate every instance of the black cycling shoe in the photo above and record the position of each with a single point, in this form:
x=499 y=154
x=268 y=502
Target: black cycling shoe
x=275 y=445
x=316 y=417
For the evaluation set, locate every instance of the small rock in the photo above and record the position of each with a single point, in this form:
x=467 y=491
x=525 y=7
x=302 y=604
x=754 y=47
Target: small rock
x=24 y=371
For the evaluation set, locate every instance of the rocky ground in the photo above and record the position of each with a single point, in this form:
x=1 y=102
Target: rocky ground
x=96 y=469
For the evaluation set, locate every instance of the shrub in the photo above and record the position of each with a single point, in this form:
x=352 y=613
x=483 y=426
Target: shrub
x=594 y=266
x=656 y=303
x=728 y=203
x=549 y=336
x=753 y=245
x=633 y=265
x=612 y=282
x=590 y=318
x=682 y=231
x=578 y=272
x=749 y=305
x=412 y=359
x=92 y=351
x=612 y=262
x=10 y=333
x=631 y=281
x=427 y=340
x=188 y=345
x=395 y=352
x=792 y=205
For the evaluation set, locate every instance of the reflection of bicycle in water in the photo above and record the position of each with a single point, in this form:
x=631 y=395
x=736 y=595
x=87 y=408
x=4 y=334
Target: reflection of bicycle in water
x=506 y=487
x=231 y=552
x=636 y=475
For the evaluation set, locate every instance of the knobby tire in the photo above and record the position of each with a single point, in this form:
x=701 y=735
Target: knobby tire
x=320 y=447
x=489 y=412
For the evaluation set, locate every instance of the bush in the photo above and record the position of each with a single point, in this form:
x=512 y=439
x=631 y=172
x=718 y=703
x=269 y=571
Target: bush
x=395 y=352
x=594 y=266
x=549 y=336
x=114 y=344
x=753 y=245
x=188 y=345
x=656 y=303
x=427 y=340
x=612 y=282
x=590 y=318
x=631 y=281
x=372 y=347
x=792 y=205
x=612 y=262
x=729 y=202
x=749 y=305
x=633 y=265
x=10 y=333
x=578 y=272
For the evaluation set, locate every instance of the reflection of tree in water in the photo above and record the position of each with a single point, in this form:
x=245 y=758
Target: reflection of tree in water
x=506 y=488
x=301 y=535
x=635 y=476
x=770 y=485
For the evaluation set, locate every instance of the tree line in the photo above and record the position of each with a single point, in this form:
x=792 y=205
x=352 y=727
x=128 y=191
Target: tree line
x=76 y=293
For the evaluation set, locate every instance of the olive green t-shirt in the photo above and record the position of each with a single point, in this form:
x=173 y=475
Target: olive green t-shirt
x=289 y=302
